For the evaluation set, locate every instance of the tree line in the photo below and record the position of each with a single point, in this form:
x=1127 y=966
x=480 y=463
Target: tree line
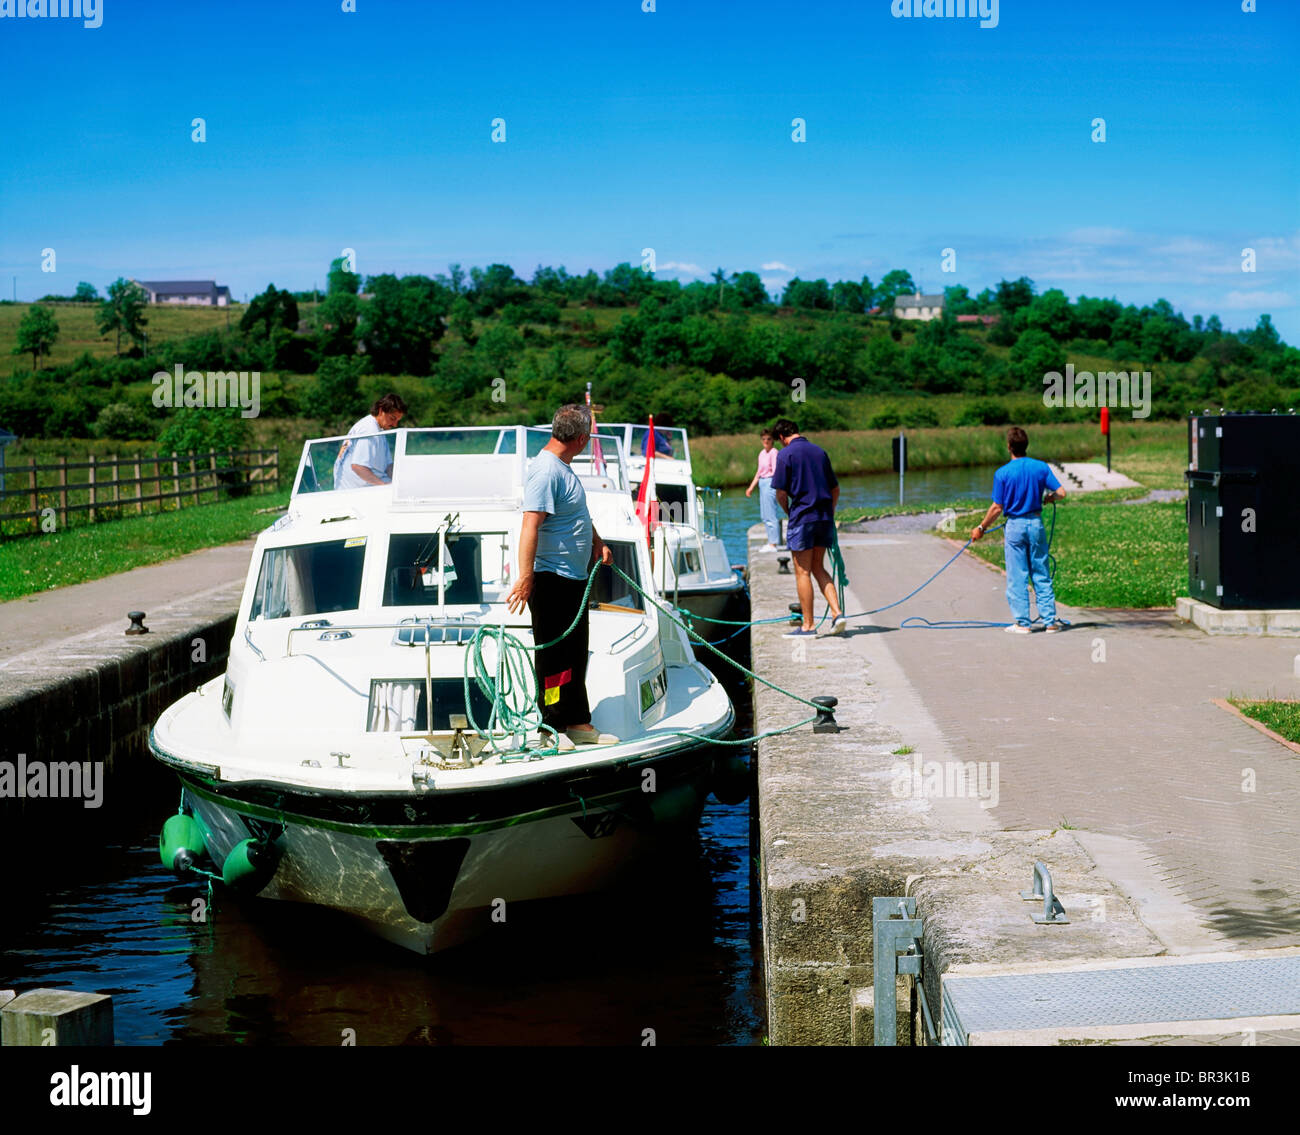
x=713 y=355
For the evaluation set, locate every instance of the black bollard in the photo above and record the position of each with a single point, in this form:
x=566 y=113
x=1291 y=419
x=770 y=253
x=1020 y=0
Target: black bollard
x=782 y=565
x=796 y=614
x=137 y=623
x=825 y=722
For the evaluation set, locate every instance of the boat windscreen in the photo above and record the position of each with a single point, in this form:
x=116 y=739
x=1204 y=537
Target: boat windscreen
x=476 y=569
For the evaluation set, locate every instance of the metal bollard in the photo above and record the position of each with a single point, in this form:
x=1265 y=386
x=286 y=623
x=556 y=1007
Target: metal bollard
x=825 y=722
x=782 y=565
x=137 y=623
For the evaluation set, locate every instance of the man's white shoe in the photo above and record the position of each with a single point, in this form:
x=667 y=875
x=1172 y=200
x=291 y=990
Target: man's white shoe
x=768 y=548
x=562 y=743
x=1017 y=628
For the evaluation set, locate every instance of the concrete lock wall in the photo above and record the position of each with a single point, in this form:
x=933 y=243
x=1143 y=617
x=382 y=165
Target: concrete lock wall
x=94 y=698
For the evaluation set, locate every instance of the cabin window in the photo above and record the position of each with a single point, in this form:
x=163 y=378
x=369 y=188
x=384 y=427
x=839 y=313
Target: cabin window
x=309 y=578
x=614 y=589
x=476 y=568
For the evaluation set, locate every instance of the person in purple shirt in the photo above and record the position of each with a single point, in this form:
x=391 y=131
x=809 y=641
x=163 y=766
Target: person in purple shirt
x=1020 y=489
x=807 y=489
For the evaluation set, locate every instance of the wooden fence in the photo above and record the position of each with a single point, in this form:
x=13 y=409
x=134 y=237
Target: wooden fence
x=96 y=489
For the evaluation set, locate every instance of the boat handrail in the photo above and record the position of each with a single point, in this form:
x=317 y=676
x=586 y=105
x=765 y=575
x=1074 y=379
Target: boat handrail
x=412 y=623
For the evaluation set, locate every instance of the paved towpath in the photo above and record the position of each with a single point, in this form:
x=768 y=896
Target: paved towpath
x=40 y=620
x=1108 y=727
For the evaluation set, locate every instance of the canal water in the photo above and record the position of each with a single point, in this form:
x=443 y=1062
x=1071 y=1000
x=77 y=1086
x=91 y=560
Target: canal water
x=674 y=956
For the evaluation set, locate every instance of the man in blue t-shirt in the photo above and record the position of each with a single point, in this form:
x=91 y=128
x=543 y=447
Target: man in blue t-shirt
x=807 y=488
x=557 y=544
x=1018 y=491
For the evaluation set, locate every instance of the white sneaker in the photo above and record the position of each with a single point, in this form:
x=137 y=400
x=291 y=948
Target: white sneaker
x=562 y=743
x=837 y=626
x=768 y=548
x=1016 y=628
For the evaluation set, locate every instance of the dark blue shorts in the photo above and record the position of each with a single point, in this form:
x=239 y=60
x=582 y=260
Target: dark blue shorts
x=810 y=534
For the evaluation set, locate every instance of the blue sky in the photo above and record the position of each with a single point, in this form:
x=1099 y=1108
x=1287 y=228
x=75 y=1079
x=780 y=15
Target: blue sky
x=669 y=130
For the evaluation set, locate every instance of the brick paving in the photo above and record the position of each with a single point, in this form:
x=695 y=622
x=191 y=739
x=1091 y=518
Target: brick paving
x=1109 y=727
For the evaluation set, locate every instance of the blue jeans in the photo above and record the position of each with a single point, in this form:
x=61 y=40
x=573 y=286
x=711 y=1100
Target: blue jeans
x=768 y=510
x=1025 y=548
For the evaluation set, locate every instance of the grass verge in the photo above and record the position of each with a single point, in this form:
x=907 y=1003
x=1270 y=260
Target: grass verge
x=1108 y=554
x=37 y=563
x=1283 y=717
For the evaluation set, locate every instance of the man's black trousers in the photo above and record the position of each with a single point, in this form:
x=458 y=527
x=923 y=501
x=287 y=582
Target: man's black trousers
x=562 y=668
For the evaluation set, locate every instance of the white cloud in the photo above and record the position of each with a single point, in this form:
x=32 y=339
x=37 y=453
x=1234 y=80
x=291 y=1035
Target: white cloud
x=776 y=266
x=1245 y=301
x=676 y=266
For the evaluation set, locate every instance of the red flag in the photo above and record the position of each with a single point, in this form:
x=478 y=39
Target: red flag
x=647 y=503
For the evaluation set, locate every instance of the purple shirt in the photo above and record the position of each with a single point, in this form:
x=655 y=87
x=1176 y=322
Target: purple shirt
x=804 y=471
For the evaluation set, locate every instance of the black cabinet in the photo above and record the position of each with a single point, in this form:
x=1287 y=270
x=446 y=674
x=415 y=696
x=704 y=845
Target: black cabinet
x=1243 y=510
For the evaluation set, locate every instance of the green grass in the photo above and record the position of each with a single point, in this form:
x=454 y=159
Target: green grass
x=1283 y=717
x=902 y=751
x=78 y=333
x=1155 y=448
x=37 y=563
x=1108 y=554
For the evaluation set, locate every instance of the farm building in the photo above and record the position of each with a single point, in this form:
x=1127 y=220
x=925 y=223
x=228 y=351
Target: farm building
x=200 y=292
x=918 y=307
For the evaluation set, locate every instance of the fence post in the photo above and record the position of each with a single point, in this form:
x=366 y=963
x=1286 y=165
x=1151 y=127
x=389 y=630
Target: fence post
x=63 y=488
x=117 y=478
x=216 y=484
x=35 y=503
x=90 y=487
x=176 y=478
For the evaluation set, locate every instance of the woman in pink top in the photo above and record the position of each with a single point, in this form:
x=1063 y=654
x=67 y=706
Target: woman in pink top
x=766 y=495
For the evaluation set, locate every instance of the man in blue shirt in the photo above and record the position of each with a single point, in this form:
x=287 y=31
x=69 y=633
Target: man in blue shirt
x=807 y=489
x=1018 y=491
x=557 y=543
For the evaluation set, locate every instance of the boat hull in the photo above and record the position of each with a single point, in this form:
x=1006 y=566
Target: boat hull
x=431 y=872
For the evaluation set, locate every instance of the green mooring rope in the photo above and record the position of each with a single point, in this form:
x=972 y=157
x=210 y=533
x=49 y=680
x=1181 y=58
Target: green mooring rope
x=510 y=686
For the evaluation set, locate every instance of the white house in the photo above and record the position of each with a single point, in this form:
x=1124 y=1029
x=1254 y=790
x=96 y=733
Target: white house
x=201 y=292
x=918 y=307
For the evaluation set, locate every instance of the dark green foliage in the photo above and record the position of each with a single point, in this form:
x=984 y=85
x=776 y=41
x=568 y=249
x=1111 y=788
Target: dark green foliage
x=335 y=397
x=983 y=412
x=123 y=421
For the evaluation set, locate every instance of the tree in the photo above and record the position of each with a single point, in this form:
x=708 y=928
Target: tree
x=86 y=293
x=271 y=309
x=897 y=282
x=123 y=310
x=957 y=301
x=1036 y=353
x=846 y=295
x=402 y=322
x=807 y=294
x=749 y=290
x=335 y=397
x=36 y=334
x=341 y=280
x=1051 y=312
x=1012 y=295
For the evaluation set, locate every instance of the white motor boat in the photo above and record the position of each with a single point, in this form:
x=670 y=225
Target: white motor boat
x=346 y=759
x=695 y=573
